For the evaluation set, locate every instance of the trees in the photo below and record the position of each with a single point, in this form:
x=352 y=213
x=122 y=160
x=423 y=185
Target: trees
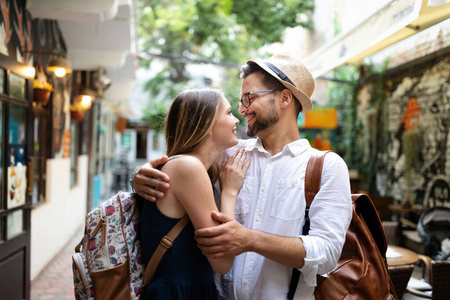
x=224 y=33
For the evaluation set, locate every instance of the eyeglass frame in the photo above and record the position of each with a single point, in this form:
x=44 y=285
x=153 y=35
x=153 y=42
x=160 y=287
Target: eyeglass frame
x=250 y=93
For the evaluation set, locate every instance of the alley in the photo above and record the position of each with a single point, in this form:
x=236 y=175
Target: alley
x=55 y=281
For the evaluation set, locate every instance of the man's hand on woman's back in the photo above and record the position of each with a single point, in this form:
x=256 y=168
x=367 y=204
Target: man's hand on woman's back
x=149 y=182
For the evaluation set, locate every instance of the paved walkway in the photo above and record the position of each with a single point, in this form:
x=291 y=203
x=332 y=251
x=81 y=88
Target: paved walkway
x=55 y=281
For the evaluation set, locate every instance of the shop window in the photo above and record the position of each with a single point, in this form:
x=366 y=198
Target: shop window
x=16 y=157
x=2 y=81
x=1 y=230
x=42 y=142
x=15 y=223
x=83 y=135
x=74 y=152
x=17 y=86
x=1 y=164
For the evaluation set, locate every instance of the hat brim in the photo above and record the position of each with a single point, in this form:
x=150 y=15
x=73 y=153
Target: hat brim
x=304 y=100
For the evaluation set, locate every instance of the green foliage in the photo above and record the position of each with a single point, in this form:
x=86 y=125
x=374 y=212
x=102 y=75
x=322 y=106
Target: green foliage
x=376 y=136
x=342 y=95
x=232 y=90
x=219 y=30
x=361 y=146
x=213 y=30
x=159 y=87
x=156 y=114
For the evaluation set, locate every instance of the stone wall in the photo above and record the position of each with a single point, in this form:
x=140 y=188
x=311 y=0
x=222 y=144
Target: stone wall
x=418 y=153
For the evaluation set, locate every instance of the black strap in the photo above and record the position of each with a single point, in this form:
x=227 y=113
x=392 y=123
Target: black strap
x=305 y=231
x=293 y=285
x=295 y=272
x=279 y=73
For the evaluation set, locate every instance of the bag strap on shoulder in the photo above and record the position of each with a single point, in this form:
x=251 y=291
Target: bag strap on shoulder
x=164 y=245
x=313 y=177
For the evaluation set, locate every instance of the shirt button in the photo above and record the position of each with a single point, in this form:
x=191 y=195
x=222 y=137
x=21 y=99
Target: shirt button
x=270 y=161
x=257 y=218
x=245 y=281
x=262 y=188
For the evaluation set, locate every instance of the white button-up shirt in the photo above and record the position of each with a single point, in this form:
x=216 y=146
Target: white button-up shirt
x=272 y=200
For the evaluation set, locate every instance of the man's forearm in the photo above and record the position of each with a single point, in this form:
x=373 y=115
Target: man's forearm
x=288 y=251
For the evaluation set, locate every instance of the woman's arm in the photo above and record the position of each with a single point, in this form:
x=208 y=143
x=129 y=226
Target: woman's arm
x=191 y=186
x=232 y=174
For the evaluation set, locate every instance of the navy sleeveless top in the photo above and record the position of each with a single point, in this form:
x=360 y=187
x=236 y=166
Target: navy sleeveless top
x=183 y=272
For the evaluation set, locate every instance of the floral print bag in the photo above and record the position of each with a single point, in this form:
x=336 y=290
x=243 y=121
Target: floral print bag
x=109 y=256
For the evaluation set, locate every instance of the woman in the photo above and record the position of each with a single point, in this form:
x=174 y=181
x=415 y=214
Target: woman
x=199 y=126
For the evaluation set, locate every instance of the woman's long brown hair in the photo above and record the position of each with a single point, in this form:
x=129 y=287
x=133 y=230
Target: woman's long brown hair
x=191 y=117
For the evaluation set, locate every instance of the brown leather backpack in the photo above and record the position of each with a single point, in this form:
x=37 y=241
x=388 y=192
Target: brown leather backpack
x=361 y=272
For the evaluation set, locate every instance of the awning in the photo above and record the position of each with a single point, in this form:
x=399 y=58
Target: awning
x=393 y=23
x=98 y=34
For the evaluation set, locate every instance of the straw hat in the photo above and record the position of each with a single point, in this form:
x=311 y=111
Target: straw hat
x=292 y=74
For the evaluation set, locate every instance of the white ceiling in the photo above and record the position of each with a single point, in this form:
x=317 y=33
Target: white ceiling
x=98 y=34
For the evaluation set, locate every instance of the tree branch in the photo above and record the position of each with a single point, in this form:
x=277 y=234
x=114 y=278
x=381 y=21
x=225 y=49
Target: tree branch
x=184 y=59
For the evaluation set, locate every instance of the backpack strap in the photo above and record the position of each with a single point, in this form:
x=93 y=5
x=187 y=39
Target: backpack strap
x=313 y=177
x=164 y=245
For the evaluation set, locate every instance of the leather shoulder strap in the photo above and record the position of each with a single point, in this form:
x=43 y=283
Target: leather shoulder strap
x=165 y=244
x=313 y=176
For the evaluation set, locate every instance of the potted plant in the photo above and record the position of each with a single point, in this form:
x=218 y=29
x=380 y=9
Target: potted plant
x=41 y=88
x=77 y=111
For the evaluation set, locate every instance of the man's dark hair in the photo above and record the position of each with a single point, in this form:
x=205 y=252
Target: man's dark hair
x=270 y=81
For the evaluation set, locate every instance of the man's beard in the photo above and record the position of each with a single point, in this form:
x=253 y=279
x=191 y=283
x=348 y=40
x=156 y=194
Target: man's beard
x=262 y=123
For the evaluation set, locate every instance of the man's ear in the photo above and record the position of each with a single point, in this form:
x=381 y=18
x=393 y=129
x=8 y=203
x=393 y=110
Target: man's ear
x=286 y=98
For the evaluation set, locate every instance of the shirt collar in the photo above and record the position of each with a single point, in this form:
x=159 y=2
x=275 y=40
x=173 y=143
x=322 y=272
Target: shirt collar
x=295 y=147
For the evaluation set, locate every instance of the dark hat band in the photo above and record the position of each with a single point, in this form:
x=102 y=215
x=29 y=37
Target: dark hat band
x=279 y=72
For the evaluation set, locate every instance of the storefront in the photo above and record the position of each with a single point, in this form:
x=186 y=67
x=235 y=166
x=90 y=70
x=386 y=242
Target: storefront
x=16 y=146
x=50 y=148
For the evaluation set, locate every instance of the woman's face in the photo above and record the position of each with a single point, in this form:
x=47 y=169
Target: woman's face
x=224 y=131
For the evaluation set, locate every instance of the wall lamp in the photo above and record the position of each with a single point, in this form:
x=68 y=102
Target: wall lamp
x=60 y=66
x=86 y=97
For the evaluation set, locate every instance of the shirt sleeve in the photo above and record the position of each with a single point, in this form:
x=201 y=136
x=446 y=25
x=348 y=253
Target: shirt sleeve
x=330 y=215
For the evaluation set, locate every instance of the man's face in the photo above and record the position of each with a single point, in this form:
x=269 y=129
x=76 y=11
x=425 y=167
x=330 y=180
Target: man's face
x=262 y=112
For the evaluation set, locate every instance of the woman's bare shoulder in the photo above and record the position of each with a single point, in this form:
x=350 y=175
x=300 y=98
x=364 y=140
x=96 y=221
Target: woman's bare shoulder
x=183 y=165
x=185 y=173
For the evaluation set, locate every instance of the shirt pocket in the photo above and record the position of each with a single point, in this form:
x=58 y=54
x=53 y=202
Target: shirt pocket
x=287 y=202
x=245 y=196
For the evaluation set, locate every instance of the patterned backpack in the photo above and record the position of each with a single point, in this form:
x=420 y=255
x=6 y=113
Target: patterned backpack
x=110 y=251
x=108 y=262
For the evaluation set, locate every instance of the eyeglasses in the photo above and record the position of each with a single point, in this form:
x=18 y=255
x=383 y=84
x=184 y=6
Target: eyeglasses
x=245 y=100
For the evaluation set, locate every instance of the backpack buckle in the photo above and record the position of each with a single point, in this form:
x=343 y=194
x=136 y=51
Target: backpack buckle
x=166 y=242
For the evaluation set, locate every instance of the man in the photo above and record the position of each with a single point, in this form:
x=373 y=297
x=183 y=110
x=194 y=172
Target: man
x=266 y=237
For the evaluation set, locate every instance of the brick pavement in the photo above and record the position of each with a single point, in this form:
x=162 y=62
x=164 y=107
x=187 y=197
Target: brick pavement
x=55 y=281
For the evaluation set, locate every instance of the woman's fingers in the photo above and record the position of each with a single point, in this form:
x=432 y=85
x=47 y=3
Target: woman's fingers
x=233 y=156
